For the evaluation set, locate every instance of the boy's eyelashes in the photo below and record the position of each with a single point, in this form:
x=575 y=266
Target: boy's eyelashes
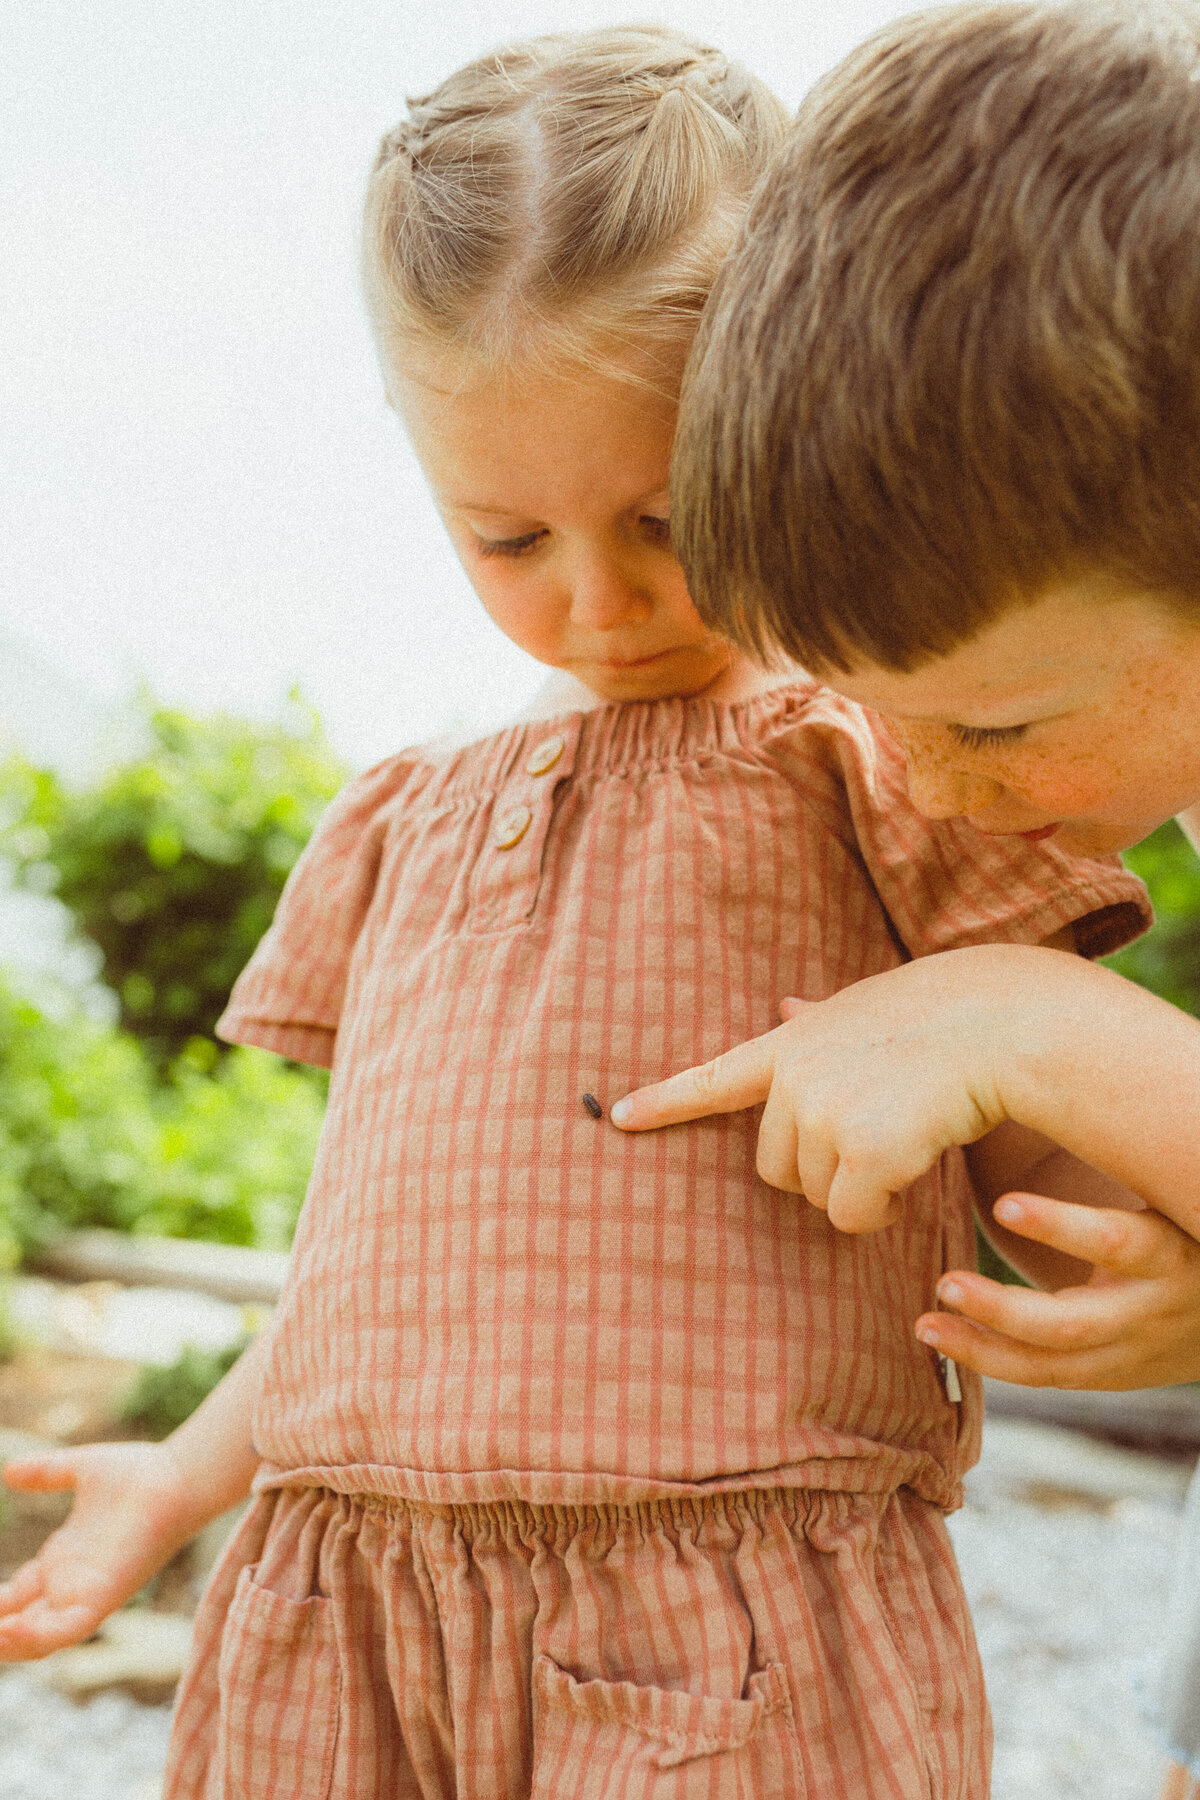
x=656 y=529
x=979 y=737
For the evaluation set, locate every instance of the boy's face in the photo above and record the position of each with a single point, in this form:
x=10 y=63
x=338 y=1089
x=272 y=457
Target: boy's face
x=1076 y=717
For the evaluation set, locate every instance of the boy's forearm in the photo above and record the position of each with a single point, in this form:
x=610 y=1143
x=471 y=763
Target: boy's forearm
x=213 y=1451
x=1112 y=1074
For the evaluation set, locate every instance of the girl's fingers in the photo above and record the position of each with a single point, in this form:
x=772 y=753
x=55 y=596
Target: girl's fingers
x=40 y=1474
x=42 y=1628
x=20 y=1589
x=1128 y=1243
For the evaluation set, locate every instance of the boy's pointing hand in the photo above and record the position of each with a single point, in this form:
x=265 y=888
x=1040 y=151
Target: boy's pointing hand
x=862 y=1095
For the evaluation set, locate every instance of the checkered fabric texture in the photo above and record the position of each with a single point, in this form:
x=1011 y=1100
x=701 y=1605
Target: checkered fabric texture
x=593 y=1466
x=785 y=1645
x=494 y=1296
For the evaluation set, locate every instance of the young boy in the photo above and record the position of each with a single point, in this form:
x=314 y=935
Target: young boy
x=940 y=442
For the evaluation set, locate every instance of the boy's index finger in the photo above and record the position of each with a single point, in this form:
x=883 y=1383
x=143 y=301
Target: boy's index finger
x=739 y=1078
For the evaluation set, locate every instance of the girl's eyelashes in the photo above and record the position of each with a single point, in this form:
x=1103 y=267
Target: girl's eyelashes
x=658 y=530
x=516 y=546
x=980 y=737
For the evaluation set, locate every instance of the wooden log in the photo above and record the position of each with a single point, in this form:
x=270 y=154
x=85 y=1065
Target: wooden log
x=141 y=1651
x=227 y=1271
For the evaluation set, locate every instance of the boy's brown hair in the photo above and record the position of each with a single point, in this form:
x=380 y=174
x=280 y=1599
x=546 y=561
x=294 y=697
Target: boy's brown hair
x=954 y=355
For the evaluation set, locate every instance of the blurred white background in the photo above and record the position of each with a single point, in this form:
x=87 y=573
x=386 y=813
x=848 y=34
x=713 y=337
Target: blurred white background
x=200 y=485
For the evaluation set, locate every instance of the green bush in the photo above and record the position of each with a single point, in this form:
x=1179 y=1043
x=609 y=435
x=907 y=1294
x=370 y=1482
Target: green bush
x=90 y=1135
x=161 y=1399
x=1167 y=960
x=173 y=861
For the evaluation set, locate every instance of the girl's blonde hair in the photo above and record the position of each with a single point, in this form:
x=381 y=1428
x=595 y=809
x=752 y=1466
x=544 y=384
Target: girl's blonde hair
x=569 y=198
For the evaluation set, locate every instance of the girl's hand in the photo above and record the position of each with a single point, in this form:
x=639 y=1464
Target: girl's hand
x=1135 y=1323
x=131 y=1514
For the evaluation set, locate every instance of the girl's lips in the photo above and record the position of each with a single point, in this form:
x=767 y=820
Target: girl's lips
x=636 y=662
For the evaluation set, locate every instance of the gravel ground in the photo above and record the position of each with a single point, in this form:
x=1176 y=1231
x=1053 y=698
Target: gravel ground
x=1066 y=1554
x=1068 y=1589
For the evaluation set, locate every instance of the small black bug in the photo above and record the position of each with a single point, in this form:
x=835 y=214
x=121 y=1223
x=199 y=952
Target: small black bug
x=593 y=1106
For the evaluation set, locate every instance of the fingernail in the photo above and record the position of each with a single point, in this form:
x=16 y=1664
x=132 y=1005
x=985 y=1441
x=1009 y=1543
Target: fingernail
x=928 y=1335
x=949 y=1293
x=1009 y=1212
x=621 y=1112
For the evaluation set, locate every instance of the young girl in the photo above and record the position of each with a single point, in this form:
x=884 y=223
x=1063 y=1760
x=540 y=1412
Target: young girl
x=584 y=1464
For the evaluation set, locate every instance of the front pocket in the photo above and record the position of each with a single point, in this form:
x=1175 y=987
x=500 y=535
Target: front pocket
x=596 y=1740
x=280 y=1686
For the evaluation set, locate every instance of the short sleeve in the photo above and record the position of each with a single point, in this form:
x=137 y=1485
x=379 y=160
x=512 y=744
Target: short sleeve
x=289 y=996
x=943 y=884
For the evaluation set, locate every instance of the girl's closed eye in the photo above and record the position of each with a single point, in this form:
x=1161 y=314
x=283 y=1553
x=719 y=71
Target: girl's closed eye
x=514 y=546
x=982 y=737
x=657 y=529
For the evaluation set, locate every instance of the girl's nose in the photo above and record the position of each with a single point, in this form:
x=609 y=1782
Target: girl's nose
x=940 y=791
x=603 y=596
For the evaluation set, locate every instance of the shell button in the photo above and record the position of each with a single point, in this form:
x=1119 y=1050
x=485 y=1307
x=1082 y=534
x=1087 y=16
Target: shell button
x=545 y=756
x=511 y=827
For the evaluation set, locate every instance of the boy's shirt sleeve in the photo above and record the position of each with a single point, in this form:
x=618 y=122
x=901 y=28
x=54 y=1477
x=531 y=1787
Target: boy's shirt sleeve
x=289 y=996
x=945 y=885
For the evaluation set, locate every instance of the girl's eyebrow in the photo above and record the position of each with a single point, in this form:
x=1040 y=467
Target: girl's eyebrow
x=483 y=506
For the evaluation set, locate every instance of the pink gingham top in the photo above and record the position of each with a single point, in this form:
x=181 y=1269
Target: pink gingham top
x=492 y=1295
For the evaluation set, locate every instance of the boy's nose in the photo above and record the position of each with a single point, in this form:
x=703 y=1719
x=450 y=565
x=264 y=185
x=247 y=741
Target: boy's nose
x=603 y=596
x=940 y=791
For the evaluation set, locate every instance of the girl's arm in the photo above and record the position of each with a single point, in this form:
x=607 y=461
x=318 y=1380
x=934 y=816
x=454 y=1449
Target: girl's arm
x=135 y=1506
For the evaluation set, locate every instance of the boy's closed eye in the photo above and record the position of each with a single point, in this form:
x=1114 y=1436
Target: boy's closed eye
x=982 y=737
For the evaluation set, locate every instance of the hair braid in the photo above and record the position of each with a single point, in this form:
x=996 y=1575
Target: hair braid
x=571 y=192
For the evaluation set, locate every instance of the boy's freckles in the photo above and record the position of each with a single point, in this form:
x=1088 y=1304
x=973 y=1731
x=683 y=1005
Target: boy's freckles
x=1076 y=711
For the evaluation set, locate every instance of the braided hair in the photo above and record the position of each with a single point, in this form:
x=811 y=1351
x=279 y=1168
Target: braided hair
x=565 y=198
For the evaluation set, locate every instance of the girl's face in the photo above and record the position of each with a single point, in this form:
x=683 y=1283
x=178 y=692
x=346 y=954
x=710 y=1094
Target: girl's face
x=554 y=492
x=1076 y=717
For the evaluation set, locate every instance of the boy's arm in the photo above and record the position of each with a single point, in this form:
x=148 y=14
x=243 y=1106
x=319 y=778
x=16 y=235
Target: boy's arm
x=135 y=1506
x=866 y=1089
